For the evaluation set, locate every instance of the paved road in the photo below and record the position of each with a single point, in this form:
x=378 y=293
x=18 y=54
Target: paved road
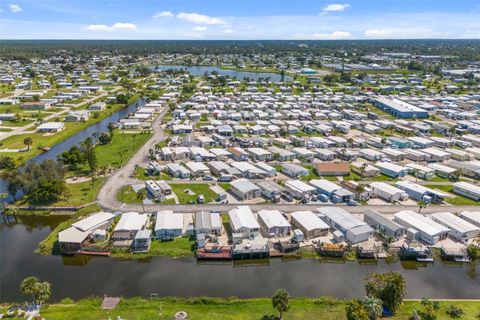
x=124 y=176
x=385 y=209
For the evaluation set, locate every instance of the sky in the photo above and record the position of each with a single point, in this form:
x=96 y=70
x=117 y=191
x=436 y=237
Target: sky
x=239 y=19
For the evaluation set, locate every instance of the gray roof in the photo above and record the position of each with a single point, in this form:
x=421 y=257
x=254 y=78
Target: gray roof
x=377 y=217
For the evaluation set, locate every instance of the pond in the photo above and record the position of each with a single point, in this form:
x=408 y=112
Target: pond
x=78 y=277
x=239 y=75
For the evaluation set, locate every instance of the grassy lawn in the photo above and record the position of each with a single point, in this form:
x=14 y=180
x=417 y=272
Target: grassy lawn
x=352 y=176
x=127 y=194
x=382 y=177
x=179 y=247
x=141 y=174
x=77 y=194
x=184 y=198
x=457 y=200
x=121 y=149
x=227 y=309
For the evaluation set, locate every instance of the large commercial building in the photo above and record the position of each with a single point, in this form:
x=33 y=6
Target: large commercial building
x=399 y=108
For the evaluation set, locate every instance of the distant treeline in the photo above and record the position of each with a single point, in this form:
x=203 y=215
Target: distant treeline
x=24 y=49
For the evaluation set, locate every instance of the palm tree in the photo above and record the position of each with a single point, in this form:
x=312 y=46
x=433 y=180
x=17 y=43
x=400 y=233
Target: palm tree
x=141 y=194
x=373 y=306
x=42 y=293
x=457 y=173
x=422 y=204
x=359 y=188
x=363 y=169
x=28 y=142
x=27 y=286
x=281 y=301
x=415 y=174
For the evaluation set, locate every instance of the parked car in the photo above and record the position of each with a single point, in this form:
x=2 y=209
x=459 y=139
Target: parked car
x=207 y=178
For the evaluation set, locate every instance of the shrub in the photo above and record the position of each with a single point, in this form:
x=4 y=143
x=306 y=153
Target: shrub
x=455 y=312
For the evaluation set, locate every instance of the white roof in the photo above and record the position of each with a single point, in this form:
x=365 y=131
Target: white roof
x=467 y=186
x=51 y=125
x=299 y=186
x=273 y=218
x=421 y=223
x=341 y=217
x=196 y=166
x=325 y=185
x=93 y=221
x=131 y=221
x=473 y=216
x=168 y=220
x=454 y=222
x=385 y=187
x=243 y=185
x=72 y=235
x=242 y=217
x=309 y=220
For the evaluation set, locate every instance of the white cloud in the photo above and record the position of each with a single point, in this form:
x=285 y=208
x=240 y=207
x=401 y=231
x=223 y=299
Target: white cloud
x=228 y=31
x=163 y=14
x=398 y=33
x=336 y=7
x=124 y=26
x=333 y=36
x=199 y=18
x=114 y=27
x=99 y=28
x=15 y=8
x=200 y=28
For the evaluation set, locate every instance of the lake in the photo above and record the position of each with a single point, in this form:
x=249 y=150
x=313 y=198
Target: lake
x=78 y=277
x=239 y=75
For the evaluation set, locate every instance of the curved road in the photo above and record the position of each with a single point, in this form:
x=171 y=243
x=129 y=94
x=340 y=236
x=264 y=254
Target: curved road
x=124 y=176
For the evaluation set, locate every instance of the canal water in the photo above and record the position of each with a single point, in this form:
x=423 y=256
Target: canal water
x=239 y=75
x=78 y=277
x=81 y=136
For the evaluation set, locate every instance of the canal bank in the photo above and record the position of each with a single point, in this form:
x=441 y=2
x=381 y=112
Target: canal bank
x=78 y=277
x=80 y=136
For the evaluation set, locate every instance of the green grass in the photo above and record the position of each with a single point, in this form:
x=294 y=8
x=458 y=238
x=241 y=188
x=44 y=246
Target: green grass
x=352 y=176
x=382 y=177
x=127 y=194
x=77 y=194
x=141 y=174
x=179 y=247
x=109 y=155
x=323 y=308
x=458 y=200
x=184 y=198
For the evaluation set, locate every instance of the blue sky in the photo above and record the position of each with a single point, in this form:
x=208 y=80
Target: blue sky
x=239 y=19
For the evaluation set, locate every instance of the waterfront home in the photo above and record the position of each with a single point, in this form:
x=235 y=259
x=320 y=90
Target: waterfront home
x=243 y=223
x=208 y=223
x=77 y=116
x=273 y=223
x=97 y=106
x=383 y=225
x=310 y=224
x=471 y=216
x=142 y=241
x=427 y=230
x=100 y=220
x=128 y=225
x=168 y=225
x=354 y=229
x=51 y=127
x=71 y=240
x=460 y=229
